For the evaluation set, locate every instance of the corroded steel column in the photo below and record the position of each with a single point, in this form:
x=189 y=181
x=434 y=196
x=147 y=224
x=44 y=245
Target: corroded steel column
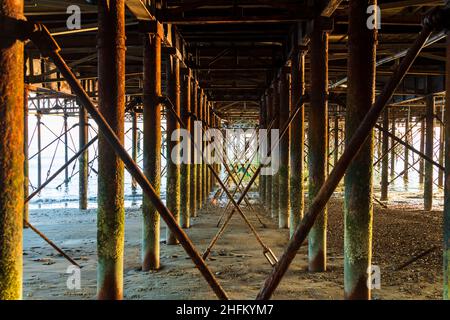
x=173 y=154
x=422 y=150
x=429 y=146
x=11 y=157
x=200 y=144
x=111 y=94
x=446 y=226
x=39 y=146
x=66 y=148
x=269 y=103
x=297 y=142
x=393 y=143
x=283 y=213
x=83 y=160
x=193 y=192
x=276 y=176
x=262 y=125
x=151 y=149
x=408 y=141
x=317 y=141
x=385 y=160
x=204 y=167
x=134 y=145
x=358 y=209
x=185 y=183
x=26 y=168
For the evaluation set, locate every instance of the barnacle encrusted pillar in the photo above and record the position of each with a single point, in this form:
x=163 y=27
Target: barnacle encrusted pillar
x=151 y=149
x=358 y=209
x=185 y=183
x=283 y=213
x=429 y=150
x=297 y=142
x=111 y=91
x=318 y=142
x=173 y=154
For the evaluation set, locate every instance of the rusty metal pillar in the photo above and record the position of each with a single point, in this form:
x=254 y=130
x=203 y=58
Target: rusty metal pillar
x=393 y=143
x=336 y=137
x=262 y=125
x=204 y=166
x=446 y=226
x=358 y=208
x=185 y=182
x=317 y=141
x=150 y=251
x=408 y=141
x=173 y=154
x=83 y=160
x=39 y=146
x=269 y=103
x=422 y=150
x=26 y=168
x=11 y=157
x=284 y=193
x=111 y=94
x=194 y=181
x=429 y=146
x=200 y=143
x=66 y=148
x=441 y=150
x=385 y=160
x=276 y=125
x=134 y=146
x=297 y=142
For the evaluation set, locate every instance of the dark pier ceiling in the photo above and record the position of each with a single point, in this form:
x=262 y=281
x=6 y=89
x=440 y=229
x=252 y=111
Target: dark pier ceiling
x=236 y=48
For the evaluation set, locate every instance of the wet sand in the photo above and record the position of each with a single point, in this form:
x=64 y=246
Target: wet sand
x=400 y=233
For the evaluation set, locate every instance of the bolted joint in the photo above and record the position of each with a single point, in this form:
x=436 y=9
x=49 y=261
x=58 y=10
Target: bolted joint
x=438 y=19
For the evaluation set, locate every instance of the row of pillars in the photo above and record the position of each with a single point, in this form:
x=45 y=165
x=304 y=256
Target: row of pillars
x=188 y=186
x=282 y=193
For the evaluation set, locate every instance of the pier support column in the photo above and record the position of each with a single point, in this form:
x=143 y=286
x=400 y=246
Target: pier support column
x=83 y=160
x=422 y=150
x=318 y=143
x=111 y=92
x=429 y=146
x=297 y=143
x=283 y=214
x=385 y=160
x=185 y=184
x=194 y=181
x=276 y=176
x=446 y=212
x=151 y=149
x=26 y=168
x=408 y=141
x=358 y=208
x=262 y=125
x=66 y=148
x=173 y=154
x=39 y=147
x=200 y=144
x=393 y=143
x=205 y=112
x=134 y=146
x=269 y=104
x=11 y=157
